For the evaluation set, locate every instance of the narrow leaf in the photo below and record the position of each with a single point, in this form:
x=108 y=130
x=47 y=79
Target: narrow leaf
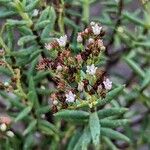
x=114 y=134
x=25 y=39
x=110 y=112
x=30 y=127
x=95 y=128
x=136 y=68
x=113 y=123
x=23 y=113
x=86 y=138
x=72 y=114
x=110 y=144
x=32 y=5
x=111 y=95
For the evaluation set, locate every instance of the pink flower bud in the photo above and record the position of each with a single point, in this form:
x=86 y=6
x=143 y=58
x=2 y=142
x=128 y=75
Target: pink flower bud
x=79 y=58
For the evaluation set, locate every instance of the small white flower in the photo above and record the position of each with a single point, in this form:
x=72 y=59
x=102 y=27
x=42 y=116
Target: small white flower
x=3 y=127
x=6 y=83
x=108 y=84
x=86 y=30
x=70 y=97
x=96 y=29
x=48 y=46
x=59 y=68
x=79 y=38
x=43 y=87
x=100 y=43
x=120 y=29
x=92 y=23
x=91 y=69
x=10 y=133
x=35 y=12
x=55 y=102
x=91 y=40
x=80 y=86
x=62 y=41
x=99 y=88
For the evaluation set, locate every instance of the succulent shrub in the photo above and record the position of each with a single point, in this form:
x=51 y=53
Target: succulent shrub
x=73 y=80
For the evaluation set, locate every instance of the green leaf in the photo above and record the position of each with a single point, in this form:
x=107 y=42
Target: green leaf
x=5 y=1
x=32 y=5
x=28 y=142
x=6 y=13
x=111 y=95
x=86 y=138
x=146 y=81
x=6 y=71
x=45 y=91
x=83 y=140
x=26 y=39
x=32 y=95
x=70 y=23
x=110 y=144
x=113 y=123
x=25 y=30
x=74 y=140
x=72 y=12
x=110 y=112
x=35 y=54
x=17 y=22
x=43 y=110
x=30 y=127
x=78 y=144
x=10 y=37
x=40 y=75
x=50 y=27
x=72 y=114
x=135 y=20
x=95 y=128
x=23 y=113
x=13 y=101
x=136 y=68
x=41 y=24
x=44 y=14
x=114 y=134
x=47 y=127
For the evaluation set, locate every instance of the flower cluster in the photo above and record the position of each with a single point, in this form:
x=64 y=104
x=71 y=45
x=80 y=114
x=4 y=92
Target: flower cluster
x=77 y=77
x=58 y=43
x=5 y=122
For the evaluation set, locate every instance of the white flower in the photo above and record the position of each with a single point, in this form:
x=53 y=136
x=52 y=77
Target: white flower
x=91 y=69
x=99 y=88
x=92 y=23
x=70 y=97
x=35 y=12
x=62 y=41
x=10 y=133
x=48 y=46
x=79 y=38
x=96 y=29
x=108 y=84
x=59 y=68
x=6 y=83
x=55 y=102
x=100 y=43
x=3 y=127
x=43 y=87
x=80 y=86
x=91 y=40
x=86 y=30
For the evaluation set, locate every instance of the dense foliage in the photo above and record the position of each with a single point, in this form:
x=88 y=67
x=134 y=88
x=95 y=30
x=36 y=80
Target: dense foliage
x=74 y=74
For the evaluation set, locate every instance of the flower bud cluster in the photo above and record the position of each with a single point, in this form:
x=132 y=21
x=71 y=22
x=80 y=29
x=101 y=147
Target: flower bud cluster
x=77 y=77
x=5 y=122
